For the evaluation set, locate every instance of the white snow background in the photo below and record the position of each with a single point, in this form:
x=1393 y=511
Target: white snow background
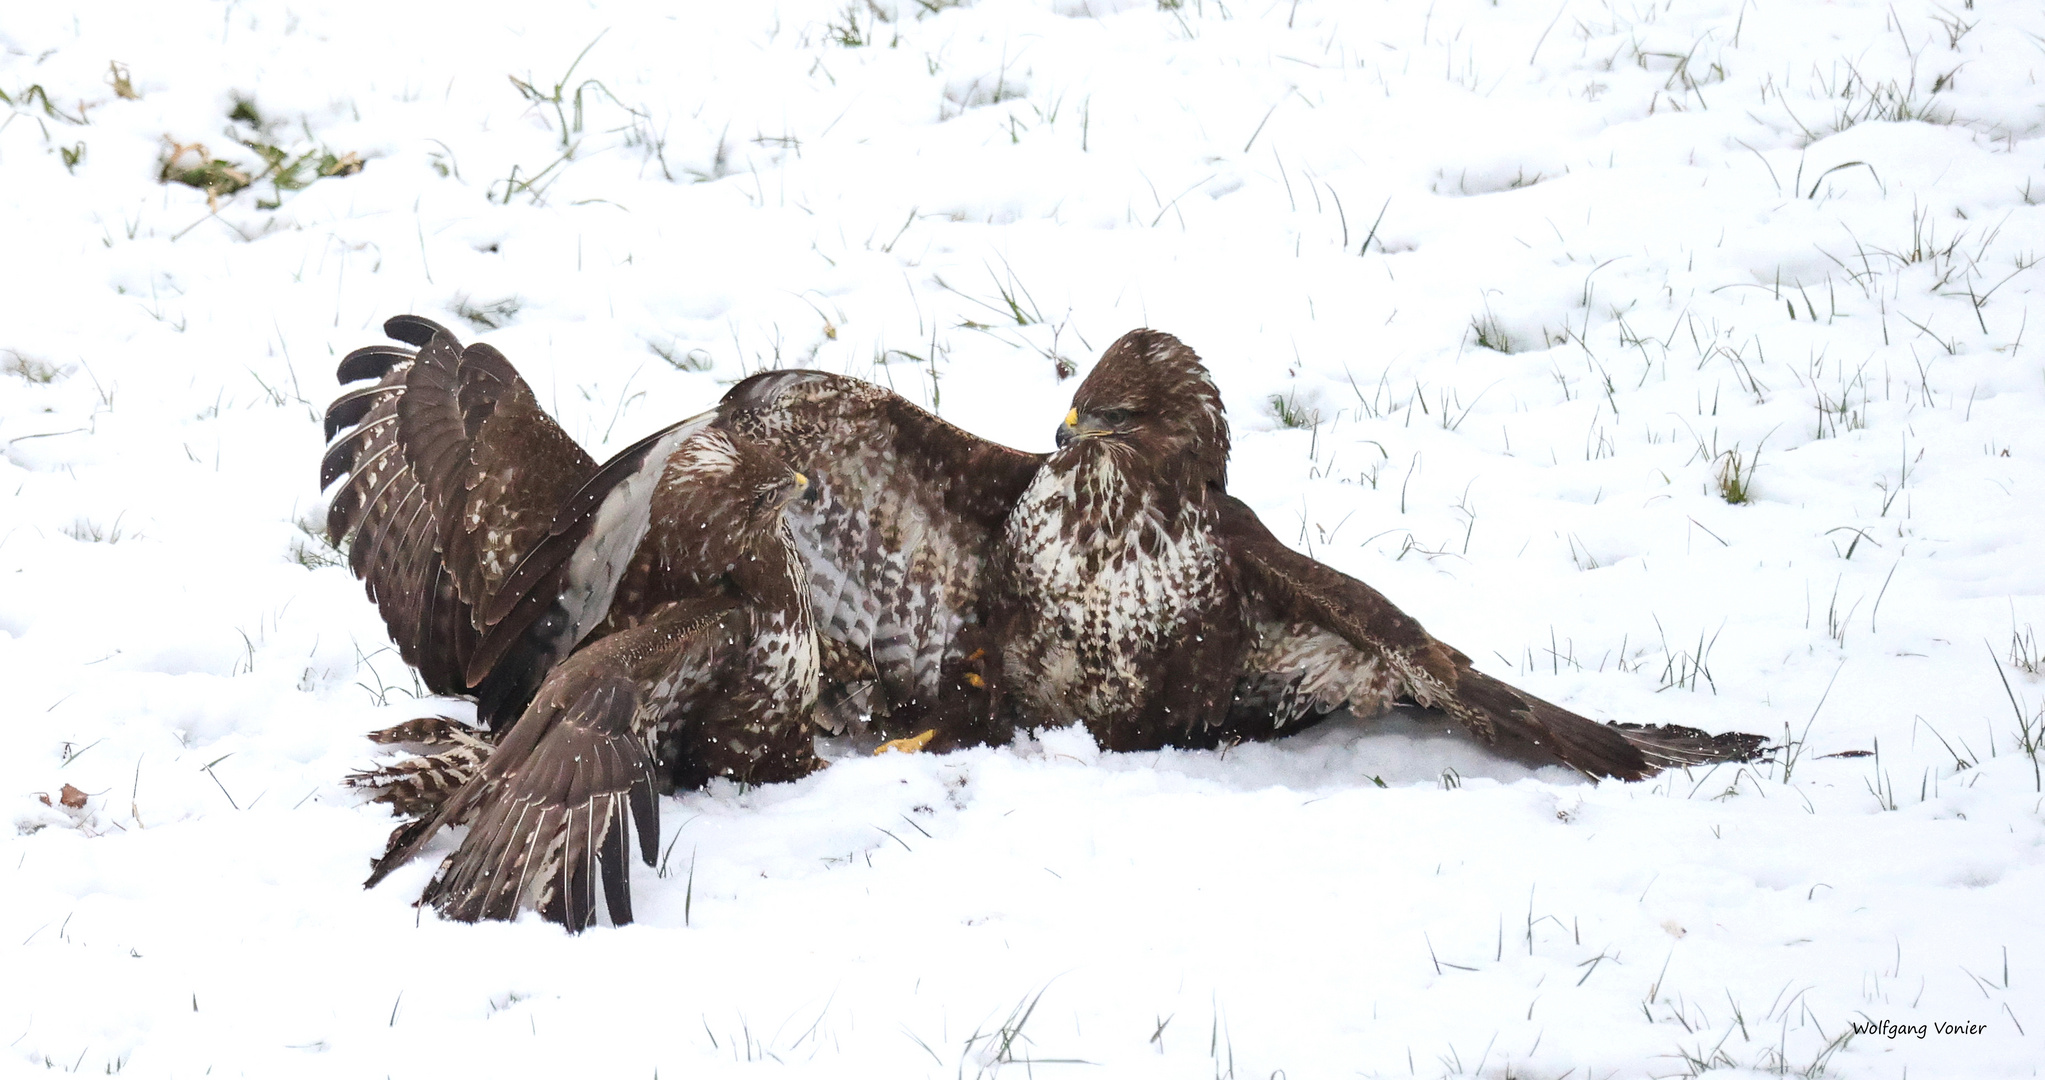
x=1505 y=300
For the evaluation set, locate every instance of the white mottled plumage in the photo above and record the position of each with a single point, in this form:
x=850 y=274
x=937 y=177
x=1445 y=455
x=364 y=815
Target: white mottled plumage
x=1318 y=670
x=1106 y=598
x=786 y=641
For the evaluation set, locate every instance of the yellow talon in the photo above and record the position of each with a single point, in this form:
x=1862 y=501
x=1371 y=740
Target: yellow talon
x=907 y=746
x=975 y=681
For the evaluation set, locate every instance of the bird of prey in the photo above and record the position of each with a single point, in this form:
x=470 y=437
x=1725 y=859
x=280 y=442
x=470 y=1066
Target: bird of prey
x=1134 y=593
x=646 y=622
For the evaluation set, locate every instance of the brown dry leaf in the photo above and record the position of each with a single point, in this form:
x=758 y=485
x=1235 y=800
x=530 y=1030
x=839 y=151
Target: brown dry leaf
x=72 y=797
x=117 y=77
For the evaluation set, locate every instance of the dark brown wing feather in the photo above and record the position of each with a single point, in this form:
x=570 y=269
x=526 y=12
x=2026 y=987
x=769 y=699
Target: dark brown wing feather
x=548 y=810
x=1325 y=640
x=907 y=515
x=1673 y=745
x=381 y=512
x=505 y=424
x=449 y=472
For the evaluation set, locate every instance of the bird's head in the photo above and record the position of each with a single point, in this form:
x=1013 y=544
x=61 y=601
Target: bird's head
x=768 y=486
x=739 y=475
x=1152 y=395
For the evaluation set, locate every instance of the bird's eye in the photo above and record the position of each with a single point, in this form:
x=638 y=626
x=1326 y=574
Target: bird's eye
x=1115 y=416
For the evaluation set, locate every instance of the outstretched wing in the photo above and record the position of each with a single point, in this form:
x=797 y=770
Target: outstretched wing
x=548 y=810
x=448 y=473
x=1324 y=640
x=908 y=513
x=384 y=514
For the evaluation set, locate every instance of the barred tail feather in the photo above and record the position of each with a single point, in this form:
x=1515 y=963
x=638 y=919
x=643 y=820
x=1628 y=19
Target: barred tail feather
x=450 y=754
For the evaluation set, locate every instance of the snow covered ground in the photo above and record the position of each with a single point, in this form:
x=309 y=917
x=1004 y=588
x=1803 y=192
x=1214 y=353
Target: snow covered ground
x=1670 y=358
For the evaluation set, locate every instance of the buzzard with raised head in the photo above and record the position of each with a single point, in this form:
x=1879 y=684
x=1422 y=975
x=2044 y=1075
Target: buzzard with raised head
x=1136 y=595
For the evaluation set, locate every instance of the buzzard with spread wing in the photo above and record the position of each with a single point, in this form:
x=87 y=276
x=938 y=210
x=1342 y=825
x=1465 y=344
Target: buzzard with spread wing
x=958 y=588
x=644 y=622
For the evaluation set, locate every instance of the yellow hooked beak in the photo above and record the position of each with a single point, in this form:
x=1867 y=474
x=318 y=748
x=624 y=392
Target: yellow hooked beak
x=1070 y=429
x=804 y=490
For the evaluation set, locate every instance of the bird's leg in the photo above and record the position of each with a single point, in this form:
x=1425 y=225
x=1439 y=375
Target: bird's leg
x=909 y=745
